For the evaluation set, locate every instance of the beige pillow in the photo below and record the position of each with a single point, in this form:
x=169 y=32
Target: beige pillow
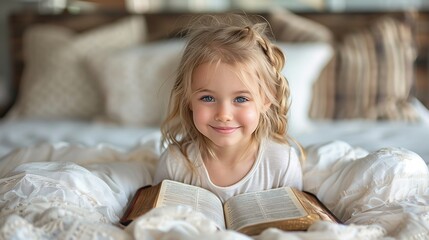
x=373 y=75
x=137 y=81
x=55 y=82
x=289 y=27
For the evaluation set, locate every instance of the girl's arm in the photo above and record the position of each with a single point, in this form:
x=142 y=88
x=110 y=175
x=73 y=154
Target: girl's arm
x=294 y=174
x=162 y=170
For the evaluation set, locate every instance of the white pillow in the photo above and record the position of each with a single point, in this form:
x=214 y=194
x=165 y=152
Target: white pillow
x=136 y=82
x=304 y=63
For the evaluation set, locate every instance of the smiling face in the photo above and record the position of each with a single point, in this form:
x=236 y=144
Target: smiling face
x=223 y=108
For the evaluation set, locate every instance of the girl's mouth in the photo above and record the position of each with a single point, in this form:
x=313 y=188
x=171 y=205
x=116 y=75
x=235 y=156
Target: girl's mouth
x=225 y=130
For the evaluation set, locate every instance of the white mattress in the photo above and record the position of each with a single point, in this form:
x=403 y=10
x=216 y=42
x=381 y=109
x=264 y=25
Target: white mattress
x=26 y=133
x=372 y=135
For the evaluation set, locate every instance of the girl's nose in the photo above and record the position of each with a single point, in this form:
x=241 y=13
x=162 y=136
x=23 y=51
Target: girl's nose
x=223 y=113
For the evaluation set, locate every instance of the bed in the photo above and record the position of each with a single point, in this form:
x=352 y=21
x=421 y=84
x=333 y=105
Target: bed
x=82 y=133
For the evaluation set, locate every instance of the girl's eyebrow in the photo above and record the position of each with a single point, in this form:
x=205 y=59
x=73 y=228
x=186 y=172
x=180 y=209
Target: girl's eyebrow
x=210 y=91
x=243 y=92
x=203 y=90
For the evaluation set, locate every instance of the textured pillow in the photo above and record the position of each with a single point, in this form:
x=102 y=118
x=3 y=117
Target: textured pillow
x=136 y=82
x=304 y=63
x=55 y=83
x=373 y=75
x=289 y=27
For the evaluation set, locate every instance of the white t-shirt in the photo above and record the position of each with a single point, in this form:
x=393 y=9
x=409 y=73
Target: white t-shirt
x=276 y=165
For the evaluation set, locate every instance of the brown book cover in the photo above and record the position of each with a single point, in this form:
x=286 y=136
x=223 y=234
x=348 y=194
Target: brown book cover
x=285 y=208
x=143 y=200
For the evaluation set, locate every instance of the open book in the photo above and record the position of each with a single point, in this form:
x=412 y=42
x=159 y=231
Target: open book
x=249 y=213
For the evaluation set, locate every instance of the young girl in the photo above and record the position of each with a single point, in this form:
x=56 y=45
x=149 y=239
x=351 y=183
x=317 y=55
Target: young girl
x=227 y=128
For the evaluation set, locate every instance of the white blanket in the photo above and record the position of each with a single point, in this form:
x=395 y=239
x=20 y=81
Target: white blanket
x=66 y=191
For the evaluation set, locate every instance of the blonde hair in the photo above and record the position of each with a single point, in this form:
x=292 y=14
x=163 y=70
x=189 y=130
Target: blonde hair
x=232 y=39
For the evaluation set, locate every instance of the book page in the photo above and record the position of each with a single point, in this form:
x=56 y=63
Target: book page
x=266 y=206
x=200 y=199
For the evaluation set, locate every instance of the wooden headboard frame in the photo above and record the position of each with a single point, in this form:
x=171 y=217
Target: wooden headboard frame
x=164 y=25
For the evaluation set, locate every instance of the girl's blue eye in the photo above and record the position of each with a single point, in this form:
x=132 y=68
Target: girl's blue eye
x=207 y=99
x=241 y=99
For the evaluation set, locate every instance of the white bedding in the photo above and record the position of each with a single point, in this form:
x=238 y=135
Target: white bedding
x=372 y=135
x=23 y=133
x=72 y=179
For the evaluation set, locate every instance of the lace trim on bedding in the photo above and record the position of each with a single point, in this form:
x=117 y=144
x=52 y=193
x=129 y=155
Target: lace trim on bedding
x=16 y=227
x=34 y=207
x=45 y=193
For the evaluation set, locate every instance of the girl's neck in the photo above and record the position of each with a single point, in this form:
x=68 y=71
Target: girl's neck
x=229 y=166
x=234 y=154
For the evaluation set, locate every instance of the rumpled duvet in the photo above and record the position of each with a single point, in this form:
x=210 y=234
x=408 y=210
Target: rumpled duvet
x=68 y=191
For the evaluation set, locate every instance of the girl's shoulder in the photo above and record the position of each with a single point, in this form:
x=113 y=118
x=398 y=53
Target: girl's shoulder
x=273 y=146
x=174 y=151
x=172 y=148
x=276 y=151
x=176 y=148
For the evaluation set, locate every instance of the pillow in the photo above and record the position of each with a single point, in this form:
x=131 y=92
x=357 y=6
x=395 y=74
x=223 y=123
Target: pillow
x=147 y=74
x=289 y=27
x=373 y=75
x=136 y=82
x=304 y=63
x=55 y=83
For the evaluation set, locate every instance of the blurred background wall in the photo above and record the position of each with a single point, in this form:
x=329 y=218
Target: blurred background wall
x=141 y=6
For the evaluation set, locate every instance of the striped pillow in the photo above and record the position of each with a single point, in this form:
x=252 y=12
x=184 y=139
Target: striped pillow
x=370 y=77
